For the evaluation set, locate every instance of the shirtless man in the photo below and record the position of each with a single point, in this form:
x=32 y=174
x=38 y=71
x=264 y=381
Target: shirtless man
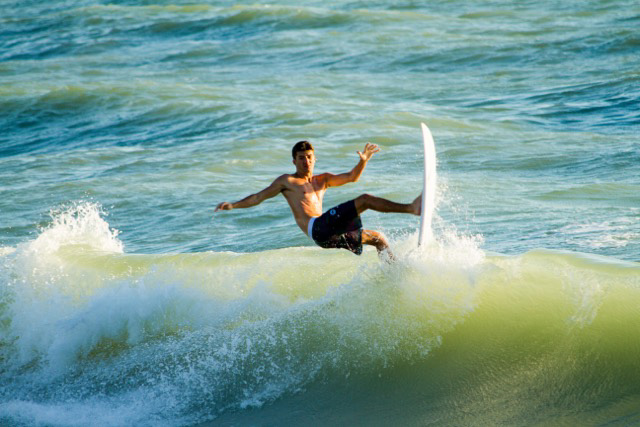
x=339 y=227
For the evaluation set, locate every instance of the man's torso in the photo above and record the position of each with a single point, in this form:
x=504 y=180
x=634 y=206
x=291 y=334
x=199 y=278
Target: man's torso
x=304 y=197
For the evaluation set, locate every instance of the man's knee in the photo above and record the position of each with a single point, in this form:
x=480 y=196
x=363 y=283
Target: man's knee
x=375 y=239
x=363 y=202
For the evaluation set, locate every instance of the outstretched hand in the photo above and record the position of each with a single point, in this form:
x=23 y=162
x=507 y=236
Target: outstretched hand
x=369 y=150
x=224 y=206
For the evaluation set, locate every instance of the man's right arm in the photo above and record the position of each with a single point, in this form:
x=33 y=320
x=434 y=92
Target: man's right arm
x=273 y=190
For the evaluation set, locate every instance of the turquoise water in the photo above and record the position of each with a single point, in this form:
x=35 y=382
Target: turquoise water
x=124 y=300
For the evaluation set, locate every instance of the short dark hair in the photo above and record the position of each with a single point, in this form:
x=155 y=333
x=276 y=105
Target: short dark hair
x=301 y=146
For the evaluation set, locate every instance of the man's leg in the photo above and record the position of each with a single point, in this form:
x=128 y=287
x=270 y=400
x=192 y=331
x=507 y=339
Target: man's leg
x=367 y=201
x=373 y=238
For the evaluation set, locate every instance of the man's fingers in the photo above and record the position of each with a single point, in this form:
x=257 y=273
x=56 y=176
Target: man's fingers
x=371 y=147
x=369 y=150
x=221 y=207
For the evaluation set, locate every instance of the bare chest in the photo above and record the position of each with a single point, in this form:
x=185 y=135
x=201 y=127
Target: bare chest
x=305 y=191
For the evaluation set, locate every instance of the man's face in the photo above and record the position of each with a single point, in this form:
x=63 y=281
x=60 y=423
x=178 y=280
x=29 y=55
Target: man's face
x=304 y=161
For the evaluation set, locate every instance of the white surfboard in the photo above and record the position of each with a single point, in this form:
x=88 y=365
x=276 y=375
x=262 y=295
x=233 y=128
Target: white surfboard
x=428 y=187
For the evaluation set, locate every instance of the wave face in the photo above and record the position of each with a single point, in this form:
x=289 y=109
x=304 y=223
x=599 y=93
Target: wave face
x=91 y=334
x=160 y=109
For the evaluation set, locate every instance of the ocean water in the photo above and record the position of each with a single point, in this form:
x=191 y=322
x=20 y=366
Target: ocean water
x=125 y=301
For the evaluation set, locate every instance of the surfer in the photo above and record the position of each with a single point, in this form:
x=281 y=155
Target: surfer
x=340 y=226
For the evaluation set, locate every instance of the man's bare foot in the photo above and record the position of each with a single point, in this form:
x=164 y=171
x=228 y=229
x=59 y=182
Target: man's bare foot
x=416 y=205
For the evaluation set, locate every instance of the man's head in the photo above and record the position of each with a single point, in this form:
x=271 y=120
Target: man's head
x=303 y=157
x=301 y=146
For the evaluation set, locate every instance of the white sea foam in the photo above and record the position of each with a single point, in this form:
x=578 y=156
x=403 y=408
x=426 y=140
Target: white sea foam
x=37 y=281
x=182 y=338
x=614 y=233
x=220 y=329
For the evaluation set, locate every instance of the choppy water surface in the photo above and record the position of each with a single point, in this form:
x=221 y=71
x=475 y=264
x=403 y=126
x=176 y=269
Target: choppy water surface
x=125 y=301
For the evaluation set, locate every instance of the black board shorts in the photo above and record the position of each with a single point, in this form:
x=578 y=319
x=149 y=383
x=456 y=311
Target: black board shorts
x=339 y=227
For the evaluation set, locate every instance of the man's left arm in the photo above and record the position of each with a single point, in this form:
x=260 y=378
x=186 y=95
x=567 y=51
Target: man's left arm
x=354 y=174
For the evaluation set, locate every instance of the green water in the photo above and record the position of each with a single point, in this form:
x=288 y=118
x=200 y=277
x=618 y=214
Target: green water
x=124 y=300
